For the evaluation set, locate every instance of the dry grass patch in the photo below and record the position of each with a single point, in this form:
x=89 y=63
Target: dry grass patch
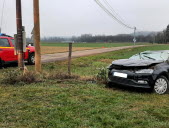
x=60 y=76
x=108 y=61
x=88 y=78
x=51 y=50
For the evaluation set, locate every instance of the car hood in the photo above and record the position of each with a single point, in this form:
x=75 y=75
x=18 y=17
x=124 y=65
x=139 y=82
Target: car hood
x=135 y=63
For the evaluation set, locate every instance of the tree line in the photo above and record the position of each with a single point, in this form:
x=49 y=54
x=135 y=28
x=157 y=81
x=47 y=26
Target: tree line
x=99 y=38
x=154 y=37
x=162 y=37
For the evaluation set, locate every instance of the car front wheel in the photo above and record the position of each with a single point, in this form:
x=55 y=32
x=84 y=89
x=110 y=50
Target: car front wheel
x=161 y=85
x=31 y=59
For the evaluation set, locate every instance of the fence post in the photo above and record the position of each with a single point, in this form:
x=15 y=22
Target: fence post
x=69 y=59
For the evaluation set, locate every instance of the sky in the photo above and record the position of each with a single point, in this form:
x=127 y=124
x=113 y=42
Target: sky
x=76 y=17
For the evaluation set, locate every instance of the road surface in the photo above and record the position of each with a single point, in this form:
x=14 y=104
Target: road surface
x=63 y=56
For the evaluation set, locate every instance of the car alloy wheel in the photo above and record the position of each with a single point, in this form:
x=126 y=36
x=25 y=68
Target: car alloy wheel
x=161 y=85
x=31 y=59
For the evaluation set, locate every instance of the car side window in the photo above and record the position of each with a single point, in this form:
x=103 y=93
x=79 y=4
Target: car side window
x=4 y=43
x=13 y=41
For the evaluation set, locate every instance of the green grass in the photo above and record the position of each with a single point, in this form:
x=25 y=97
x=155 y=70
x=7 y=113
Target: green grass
x=92 y=44
x=89 y=66
x=79 y=104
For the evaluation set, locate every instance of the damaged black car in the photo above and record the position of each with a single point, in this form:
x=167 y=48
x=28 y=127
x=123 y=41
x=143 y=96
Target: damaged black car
x=149 y=69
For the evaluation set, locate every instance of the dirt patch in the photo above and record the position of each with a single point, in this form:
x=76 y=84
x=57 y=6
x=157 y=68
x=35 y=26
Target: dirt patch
x=108 y=61
x=61 y=76
x=51 y=50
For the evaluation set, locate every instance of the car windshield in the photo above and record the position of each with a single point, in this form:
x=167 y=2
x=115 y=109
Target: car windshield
x=150 y=55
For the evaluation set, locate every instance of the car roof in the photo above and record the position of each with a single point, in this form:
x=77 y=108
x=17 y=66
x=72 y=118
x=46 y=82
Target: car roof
x=4 y=35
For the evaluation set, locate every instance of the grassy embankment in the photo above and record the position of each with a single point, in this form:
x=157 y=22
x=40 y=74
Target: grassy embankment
x=79 y=104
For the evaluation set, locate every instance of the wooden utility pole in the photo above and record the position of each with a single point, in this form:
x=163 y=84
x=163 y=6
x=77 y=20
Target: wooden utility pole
x=37 y=36
x=19 y=34
x=69 y=59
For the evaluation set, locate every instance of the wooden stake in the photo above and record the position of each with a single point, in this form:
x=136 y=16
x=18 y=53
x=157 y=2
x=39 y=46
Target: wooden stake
x=69 y=59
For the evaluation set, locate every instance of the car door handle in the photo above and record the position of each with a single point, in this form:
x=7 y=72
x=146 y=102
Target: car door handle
x=1 y=49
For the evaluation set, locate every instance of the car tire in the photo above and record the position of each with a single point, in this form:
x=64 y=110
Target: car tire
x=161 y=85
x=1 y=65
x=31 y=59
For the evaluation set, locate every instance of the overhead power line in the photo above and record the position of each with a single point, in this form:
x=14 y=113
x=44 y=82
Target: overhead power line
x=112 y=15
x=113 y=11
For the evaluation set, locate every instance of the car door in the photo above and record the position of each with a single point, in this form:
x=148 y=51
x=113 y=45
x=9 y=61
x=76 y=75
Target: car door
x=6 y=51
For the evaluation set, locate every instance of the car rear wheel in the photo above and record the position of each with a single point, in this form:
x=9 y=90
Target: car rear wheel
x=31 y=59
x=1 y=65
x=161 y=85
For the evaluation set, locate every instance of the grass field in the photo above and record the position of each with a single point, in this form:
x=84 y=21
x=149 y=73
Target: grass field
x=50 y=49
x=92 y=44
x=75 y=103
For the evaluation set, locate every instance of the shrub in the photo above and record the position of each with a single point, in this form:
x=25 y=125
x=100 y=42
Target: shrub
x=11 y=76
x=30 y=77
x=101 y=77
x=14 y=77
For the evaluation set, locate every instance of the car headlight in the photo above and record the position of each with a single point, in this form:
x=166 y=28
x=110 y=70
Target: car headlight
x=147 y=71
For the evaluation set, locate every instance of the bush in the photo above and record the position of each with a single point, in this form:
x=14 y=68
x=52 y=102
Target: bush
x=101 y=77
x=30 y=77
x=16 y=77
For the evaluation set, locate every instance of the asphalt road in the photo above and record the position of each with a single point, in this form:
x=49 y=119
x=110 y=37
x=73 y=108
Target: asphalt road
x=63 y=56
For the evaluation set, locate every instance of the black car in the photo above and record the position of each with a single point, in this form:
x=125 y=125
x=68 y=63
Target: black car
x=149 y=69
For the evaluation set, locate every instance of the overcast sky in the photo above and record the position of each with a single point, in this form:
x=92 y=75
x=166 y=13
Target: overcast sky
x=76 y=17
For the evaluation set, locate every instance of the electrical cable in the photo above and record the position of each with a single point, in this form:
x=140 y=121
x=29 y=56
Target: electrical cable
x=117 y=15
x=98 y=10
x=112 y=15
x=113 y=11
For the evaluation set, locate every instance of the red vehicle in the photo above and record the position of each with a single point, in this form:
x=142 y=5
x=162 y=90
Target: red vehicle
x=7 y=51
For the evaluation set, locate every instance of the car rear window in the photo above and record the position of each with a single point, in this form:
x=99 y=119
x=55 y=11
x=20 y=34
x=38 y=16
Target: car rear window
x=4 y=43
